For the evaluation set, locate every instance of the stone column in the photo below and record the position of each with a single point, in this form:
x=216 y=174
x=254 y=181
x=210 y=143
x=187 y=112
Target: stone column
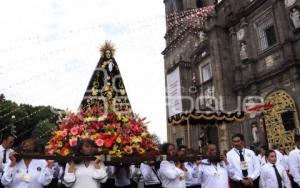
x=223 y=137
x=284 y=28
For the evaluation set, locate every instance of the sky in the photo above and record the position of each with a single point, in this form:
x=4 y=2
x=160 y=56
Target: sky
x=49 y=50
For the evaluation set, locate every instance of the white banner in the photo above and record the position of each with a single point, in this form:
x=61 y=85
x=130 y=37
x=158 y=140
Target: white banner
x=174 y=93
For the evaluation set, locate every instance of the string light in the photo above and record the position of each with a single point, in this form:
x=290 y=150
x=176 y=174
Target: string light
x=191 y=21
x=35 y=112
x=40 y=39
x=3 y=129
x=4 y=115
x=198 y=13
x=39 y=124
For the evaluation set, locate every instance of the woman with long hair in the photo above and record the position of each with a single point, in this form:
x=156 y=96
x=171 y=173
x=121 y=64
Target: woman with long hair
x=79 y=174
x=171 y=174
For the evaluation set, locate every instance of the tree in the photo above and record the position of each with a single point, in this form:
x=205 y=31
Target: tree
x=43 y=131
x=156 y=139
x=27 y=117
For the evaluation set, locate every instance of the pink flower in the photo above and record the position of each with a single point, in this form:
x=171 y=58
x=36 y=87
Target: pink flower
x=74 y=131
x=73 y=142
x=99 y=142
x=65 y=133
x=51 y=151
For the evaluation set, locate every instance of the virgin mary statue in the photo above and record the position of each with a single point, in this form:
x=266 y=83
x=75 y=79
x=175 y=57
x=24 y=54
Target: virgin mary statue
x=106 y=88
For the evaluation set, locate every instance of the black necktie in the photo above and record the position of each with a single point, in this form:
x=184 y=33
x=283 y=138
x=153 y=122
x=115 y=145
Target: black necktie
x=245 y=172
x=278 y=177
x=4 y=156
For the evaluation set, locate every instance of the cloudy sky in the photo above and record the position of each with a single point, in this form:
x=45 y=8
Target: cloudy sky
x=49 y=49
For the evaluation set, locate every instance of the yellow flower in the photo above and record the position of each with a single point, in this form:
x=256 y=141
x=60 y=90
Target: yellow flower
x=83 y=136
x=136 y=139
x=59 y=144
x=135 y=146
x=119 y=117
x=119 y=139
x=144 y=134
x=119 y=153
x=65 y=152
x=125 y=119
x=93 y=137
x=59 y=133
x=141 y=151
x=128 y=150
x=88 y=119
x=101 y=118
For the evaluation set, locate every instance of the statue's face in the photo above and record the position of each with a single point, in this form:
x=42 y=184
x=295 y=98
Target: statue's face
x=108 y=54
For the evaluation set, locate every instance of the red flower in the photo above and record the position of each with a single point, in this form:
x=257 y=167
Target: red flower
x=109 y=142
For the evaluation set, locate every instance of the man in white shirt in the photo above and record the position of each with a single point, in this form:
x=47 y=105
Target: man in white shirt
x=192 y=174
x=273 y=175
x=191 y=169
x=281 y=149
x=279 y=156
x=123 y=175
x=244 y=165
x=261 y=155
x=294 y=163
x=213 y=171
x=150 y=175
x=7 y=142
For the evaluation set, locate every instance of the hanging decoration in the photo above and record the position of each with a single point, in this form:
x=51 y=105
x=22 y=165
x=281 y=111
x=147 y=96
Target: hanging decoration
x=259 y=108
x=182 y=23
x=206 y=117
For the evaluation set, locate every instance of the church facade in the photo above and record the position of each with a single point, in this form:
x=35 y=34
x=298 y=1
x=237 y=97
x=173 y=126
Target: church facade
x=244 y=57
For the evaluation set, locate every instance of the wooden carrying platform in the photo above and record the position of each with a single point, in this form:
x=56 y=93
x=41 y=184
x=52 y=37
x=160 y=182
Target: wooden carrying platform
x=115 y=161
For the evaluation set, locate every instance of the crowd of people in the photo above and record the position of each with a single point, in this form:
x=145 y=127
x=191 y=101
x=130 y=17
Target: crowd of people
x=238 y=168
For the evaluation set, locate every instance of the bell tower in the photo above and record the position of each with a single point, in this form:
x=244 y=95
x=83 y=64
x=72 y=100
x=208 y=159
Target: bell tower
x=172 y=6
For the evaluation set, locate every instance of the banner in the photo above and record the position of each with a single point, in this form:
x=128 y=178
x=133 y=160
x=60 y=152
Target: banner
x=174 y=93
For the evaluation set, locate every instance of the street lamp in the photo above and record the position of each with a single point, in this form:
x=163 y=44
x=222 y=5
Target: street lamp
x=12 y=125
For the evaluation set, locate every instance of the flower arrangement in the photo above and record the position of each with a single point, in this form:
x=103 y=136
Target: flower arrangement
x=117 y=134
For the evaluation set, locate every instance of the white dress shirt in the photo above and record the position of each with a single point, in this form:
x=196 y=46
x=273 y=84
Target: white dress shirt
x=261 y=159
x=122 y=175
x=280 y=158
x=171 y=176
x=150 y=178
x=88 y=177
x=8 y=151
x=268 y=176
x=213 y=176
x=294 y=165
x=286 y=162
x=37 y=175
x=192 y=177
x=235 y=171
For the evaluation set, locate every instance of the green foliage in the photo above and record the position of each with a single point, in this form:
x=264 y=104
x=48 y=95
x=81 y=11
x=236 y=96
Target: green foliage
x=30 y=121
x=43 y=132
x=156 y=139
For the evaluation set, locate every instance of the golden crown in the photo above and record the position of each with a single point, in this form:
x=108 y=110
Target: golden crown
x=108 y=45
